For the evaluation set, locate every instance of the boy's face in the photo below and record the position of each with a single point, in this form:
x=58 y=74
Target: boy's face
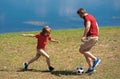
x=47 y=33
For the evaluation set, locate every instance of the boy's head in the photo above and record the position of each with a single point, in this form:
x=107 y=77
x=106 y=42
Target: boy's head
x=46 y=30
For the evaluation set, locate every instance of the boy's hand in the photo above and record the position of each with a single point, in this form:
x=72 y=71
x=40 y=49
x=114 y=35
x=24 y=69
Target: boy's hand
x=23 y=34
x=57 y=41
x=53 y=40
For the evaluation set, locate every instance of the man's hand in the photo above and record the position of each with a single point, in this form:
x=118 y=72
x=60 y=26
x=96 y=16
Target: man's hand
x=83 y=39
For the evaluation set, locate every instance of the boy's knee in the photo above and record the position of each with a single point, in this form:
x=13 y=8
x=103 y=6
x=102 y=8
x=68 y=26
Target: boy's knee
x=47 y=57
x=37 y=57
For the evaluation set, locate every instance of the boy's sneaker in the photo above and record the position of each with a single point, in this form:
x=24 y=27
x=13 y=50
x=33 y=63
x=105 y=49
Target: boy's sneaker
x=96 y=62
x=51 y=68
x=25 y=66
x=90 y=70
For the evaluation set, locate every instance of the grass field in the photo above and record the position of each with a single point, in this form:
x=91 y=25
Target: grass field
x=16 y=49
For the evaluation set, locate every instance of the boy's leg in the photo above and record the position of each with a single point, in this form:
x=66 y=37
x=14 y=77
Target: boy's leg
x=46 y=56
x=47 y=59
x=34 y=59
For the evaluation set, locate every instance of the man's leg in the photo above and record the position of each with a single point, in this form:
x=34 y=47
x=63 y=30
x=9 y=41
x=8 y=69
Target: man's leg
x=88 y=54
x=89 y=61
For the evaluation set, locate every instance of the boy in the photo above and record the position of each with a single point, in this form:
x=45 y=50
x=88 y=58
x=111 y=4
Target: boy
x=42 y=39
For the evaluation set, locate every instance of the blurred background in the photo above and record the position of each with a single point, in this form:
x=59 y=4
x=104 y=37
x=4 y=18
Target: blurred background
x=32 y=15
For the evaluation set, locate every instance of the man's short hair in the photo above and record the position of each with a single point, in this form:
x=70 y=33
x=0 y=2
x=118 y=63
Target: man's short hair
x=81 y=11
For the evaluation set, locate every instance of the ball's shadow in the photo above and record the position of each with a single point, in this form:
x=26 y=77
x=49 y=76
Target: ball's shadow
x=65 y=72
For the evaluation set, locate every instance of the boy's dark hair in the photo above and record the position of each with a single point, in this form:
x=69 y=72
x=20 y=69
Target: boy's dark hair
x=81 y=11
x=46 y=29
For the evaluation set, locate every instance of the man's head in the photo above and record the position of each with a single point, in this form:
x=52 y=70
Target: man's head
x=81 y=12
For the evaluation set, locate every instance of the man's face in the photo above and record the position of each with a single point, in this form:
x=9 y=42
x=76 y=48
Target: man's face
x=81 y=15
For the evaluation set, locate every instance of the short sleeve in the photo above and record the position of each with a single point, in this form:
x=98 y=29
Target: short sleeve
x=87 y=19
x=37 y=35
x=49 y=38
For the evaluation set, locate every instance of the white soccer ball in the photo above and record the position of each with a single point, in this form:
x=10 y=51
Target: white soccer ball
x=80 y=70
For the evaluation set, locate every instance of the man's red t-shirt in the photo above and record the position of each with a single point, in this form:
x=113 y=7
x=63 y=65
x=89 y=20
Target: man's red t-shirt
x=93 y=28
x=42 y=40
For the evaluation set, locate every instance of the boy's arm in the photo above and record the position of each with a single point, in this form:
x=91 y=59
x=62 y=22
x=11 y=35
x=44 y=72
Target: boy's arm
x=28 y=35
x=53 y=40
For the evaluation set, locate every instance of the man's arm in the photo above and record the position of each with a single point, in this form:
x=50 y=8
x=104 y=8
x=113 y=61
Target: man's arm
x=97 y=27
x=87 y=28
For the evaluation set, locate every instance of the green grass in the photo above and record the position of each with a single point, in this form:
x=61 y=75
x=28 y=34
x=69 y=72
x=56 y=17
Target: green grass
x=16 y=49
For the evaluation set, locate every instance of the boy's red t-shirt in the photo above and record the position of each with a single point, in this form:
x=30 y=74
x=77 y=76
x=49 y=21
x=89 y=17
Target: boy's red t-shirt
x=42 y=40
x=93 y=28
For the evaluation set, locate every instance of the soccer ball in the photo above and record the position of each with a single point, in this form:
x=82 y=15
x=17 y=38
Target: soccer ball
x=80 y=70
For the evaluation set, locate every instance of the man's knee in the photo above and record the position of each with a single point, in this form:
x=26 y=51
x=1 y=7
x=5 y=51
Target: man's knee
x=81 y=51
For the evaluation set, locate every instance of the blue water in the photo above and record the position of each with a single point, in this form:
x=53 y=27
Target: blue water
x=32 y=15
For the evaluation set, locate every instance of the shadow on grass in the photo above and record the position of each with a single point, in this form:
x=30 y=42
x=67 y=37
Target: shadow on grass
x=2 y=70
x=65 y=72
x=31 y=70
x=57 y=73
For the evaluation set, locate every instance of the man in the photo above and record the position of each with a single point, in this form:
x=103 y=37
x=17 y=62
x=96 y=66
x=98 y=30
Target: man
x=89 y=39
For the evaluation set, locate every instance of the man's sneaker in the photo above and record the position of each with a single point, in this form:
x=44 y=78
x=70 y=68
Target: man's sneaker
x=25 y=65
x=90 y=70
x=51 y=68
x=96 y=62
